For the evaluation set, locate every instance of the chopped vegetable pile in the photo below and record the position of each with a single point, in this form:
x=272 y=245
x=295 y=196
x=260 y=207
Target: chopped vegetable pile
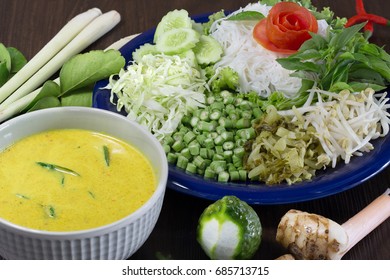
x=271 y=92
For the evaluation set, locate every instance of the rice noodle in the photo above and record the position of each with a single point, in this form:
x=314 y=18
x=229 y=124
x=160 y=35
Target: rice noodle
x=256 y=66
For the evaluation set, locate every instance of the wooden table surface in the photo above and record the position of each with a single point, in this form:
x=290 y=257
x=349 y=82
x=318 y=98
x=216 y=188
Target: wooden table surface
x=28 y=25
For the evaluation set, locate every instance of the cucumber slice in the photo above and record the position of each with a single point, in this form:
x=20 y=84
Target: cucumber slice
x=208 y=50
x=189 y=57
x=172 y=20
x=144 y=50
x=178 y=40
x=229 y=229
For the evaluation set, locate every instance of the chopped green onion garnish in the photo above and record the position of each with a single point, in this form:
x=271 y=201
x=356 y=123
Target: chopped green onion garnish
x=58 y=168
x=50 y=211
x=106 y=155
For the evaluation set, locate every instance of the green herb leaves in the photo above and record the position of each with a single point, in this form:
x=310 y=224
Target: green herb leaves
x=86 y=69
x=343 y=60
x=247 y=16
x=11 y=61
x=77 y=78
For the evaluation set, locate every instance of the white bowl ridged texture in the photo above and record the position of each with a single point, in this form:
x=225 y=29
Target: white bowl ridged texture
x=116 y=245
x=118 y=240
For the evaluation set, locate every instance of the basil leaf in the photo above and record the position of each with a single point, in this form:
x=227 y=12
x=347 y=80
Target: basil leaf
x=247 y=15
x=341 y=39
x=339 y=86
x=297 y=64
x=308 y=54
x=316 y=42
x=361 y=72
x=86 y=69
x=338 y=74
x=358 y=86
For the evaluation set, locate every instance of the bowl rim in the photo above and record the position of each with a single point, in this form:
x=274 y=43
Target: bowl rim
x=101 y=230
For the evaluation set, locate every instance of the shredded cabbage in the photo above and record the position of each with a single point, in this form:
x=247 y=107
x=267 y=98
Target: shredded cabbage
x=158 y=91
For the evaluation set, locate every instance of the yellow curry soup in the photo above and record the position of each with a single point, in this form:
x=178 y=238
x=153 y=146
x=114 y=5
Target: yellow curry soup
x=70 y=179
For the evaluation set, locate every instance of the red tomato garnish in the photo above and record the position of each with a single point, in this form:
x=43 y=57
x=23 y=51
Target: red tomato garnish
x=286 y=27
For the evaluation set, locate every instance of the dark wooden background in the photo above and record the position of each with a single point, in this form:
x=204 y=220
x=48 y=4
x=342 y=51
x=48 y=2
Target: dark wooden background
x=29 y=24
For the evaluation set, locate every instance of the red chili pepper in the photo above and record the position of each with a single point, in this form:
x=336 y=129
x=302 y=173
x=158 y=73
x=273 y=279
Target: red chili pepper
x=369 y=18
x=360 y=7
x=363 y=16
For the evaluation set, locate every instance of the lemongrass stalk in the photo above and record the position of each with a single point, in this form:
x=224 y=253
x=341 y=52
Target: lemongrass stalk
x=93 y=31
x=19 y=105
x=121 y=42
x=367 y=220
x=62 y=38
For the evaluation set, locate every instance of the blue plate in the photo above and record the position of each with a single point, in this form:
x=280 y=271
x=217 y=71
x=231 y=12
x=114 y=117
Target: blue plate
x=327 y=182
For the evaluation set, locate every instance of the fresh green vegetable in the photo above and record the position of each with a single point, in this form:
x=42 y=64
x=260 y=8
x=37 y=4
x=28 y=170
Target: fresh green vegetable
x=221 y=79
x=85 y=69
x=18 y=60
x=144 y=50
x=11 y=61
x=74 y=86
x=158 y=91
x=79 y=73
x=283 y=151
x=177 y=40
x=106 y=153
x=58 y=168
x=172 y=20
x=207 y=50
x=210 y=141
x=212 y=18
x=247 y=16
x=48 y=53
x=343 y=60
x=229 y=229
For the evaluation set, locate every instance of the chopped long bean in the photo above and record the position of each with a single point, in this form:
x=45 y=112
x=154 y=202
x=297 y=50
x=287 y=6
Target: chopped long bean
x=210 y=142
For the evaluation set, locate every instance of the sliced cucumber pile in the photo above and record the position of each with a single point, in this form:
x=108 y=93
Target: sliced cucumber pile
x=229 y=229
x=177 y=34
x=208 y=50
x=177 y=40
x=144 y=50
x=172 y=20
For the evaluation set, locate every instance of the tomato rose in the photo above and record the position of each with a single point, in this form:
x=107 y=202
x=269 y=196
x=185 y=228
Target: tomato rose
x=286 y=27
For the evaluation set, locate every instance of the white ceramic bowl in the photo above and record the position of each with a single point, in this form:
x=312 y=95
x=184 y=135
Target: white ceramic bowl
x=118 y=240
